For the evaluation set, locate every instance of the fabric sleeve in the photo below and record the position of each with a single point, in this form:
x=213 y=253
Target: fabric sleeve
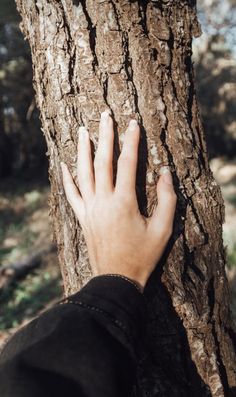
x=86 y=345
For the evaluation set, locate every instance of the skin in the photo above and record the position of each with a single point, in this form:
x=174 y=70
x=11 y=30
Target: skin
x=119 y=239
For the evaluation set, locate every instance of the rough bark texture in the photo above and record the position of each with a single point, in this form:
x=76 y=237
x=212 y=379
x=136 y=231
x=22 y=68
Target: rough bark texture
x=134 y=57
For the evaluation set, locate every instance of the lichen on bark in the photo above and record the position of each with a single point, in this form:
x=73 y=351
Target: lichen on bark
x=135 y=59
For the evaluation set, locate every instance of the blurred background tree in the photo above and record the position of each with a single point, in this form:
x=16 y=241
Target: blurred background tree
x=215 y=57
x=22 y=146
x=24 y=219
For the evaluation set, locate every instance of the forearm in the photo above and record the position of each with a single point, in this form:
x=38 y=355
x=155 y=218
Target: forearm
x=87 y=345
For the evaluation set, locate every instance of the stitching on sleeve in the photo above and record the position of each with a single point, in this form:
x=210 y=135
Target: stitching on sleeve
x=127 y=279
x=106 y=314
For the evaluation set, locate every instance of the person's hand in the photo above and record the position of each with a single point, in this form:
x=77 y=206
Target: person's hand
x=119 y=239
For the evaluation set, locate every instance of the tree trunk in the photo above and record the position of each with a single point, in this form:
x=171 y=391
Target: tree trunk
x=135 y=58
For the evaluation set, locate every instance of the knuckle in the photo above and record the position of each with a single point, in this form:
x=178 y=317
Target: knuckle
x=100 y=161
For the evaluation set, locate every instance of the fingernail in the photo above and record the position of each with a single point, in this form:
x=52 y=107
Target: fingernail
x=82 y=132
x=105 y=115
x=133 y=124
x=167 y=177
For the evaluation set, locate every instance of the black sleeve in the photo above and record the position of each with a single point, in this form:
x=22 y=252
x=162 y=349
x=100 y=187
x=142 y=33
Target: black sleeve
x=85 y=346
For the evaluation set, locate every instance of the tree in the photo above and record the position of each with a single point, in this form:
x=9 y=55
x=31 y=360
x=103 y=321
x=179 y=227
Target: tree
x=134 y=57
x=20 y=134
x=215 y=75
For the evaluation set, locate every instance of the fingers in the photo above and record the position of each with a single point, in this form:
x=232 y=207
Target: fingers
x=161 y=222
x=85 y=165
x=127 y=163
x=72 y=193
x=104 y=155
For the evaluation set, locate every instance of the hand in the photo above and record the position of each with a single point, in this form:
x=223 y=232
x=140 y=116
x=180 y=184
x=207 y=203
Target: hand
x=119 y=239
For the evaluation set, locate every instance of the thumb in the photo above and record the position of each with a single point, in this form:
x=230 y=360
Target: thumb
x=72 y=194
x=161 y=222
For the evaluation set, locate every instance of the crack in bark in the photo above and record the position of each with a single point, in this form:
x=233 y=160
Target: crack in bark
x=129 y=72
x=191 y=98
x=191 y=90
x=181 y=213
x=190 y=263
x=71 y=48
x=92 y=35
x=142 y=5
x=36 y=8
x=190 y=103
x=71 y=68
x=116 y=15
x=105 y=90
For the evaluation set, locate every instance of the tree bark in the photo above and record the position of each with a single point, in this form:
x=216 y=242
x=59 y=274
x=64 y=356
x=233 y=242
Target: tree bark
x=135 y=58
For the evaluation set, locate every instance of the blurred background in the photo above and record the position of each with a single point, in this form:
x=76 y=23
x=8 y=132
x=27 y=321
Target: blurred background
x=29 y=272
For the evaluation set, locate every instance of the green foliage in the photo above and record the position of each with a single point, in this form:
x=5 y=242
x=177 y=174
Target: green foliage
x=16 y=211
x=24 y=299
x=232 y=258
x=23 y=206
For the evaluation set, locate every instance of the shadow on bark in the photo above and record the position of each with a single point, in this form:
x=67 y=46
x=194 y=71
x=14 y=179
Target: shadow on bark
x=166 y=367
x=232 y=392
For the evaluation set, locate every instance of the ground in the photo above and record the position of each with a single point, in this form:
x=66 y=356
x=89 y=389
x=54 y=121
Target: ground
x=25 y=228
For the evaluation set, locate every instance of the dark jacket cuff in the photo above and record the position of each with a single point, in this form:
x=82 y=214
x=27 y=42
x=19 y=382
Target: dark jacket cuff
x=119 y=300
